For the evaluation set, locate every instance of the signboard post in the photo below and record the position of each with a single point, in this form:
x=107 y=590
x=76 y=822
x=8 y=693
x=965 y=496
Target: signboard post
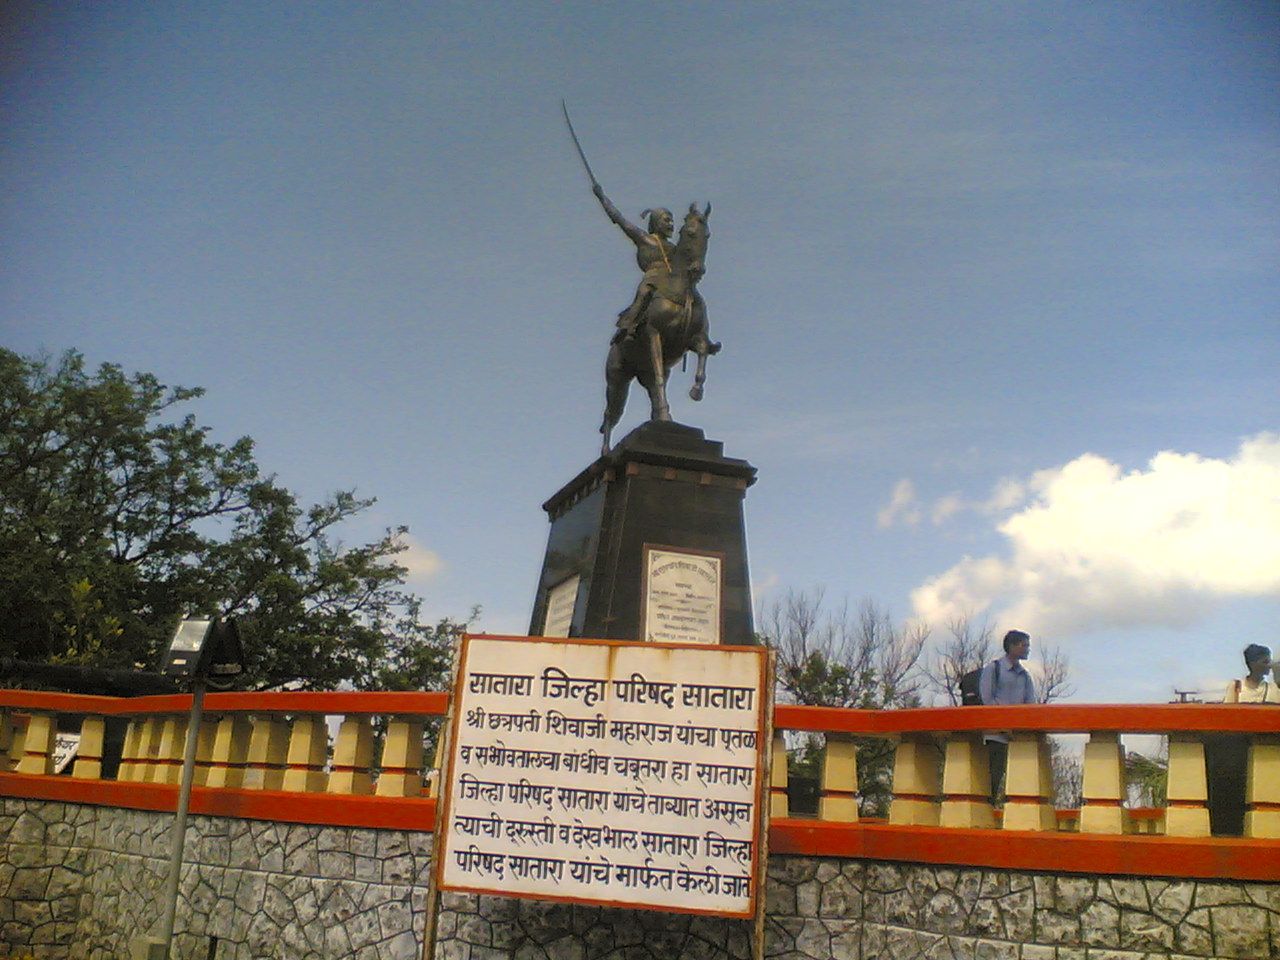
x=610 y=773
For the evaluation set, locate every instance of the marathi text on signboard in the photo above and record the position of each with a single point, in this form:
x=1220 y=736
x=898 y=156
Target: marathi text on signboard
x=605 y=772
x=682 y=597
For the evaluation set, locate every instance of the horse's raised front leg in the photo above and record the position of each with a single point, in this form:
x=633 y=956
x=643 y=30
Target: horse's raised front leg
x=699 y=376
x=658 y=381
x=701 y=345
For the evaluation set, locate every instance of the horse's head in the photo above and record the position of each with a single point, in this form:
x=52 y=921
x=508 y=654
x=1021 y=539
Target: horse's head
x=694 y=234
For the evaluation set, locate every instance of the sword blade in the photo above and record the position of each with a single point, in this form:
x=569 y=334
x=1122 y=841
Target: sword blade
x=578 y=146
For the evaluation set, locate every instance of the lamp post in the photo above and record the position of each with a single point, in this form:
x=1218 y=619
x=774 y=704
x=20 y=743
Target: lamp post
x=206 y=652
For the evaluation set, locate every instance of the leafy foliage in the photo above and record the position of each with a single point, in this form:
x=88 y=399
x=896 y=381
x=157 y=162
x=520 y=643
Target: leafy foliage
x=1147 y=778
x=116 y=518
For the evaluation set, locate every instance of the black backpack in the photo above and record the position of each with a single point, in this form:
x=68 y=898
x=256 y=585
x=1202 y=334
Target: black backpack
x=971 y=686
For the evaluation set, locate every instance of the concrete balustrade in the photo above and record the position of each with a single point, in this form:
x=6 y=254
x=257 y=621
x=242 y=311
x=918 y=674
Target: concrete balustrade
x=37 y=745
x=148 y=750
x=1103 y=790
x=88 y=762
x=839 y=797
x=966 y=784
x=1028 y=785
x=268 y=754
x=167 y=767
x=230 y=752
x=940 y=775
x=352 y=757
x=205 y=740
x=1262 y=789
x=308 y=751
x=1187 y=803
x=401 y=772
x=915 y=782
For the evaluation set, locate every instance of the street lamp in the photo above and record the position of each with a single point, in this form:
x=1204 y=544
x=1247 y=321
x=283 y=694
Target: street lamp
x=205 y=652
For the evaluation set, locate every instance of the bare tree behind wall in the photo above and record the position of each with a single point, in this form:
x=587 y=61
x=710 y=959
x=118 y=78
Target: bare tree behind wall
x=969 y=644
x=836 y=657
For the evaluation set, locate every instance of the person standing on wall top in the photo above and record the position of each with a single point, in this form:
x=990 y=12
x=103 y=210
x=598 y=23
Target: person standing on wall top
x=1256 y=687
x=1005 y=681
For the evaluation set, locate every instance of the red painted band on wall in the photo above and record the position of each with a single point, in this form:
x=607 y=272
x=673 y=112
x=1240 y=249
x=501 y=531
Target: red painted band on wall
x=1136 y=855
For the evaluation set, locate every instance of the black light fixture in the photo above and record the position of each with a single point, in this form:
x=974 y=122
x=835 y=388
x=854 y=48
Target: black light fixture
x=204 y=649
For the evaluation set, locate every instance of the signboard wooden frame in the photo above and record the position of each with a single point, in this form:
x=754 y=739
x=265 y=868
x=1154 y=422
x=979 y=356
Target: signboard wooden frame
x=454 y=836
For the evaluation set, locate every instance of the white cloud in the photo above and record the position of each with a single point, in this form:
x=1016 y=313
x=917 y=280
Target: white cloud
x=421 y=563
x=1006 y=495
x=902 y=506
x=1096 y=547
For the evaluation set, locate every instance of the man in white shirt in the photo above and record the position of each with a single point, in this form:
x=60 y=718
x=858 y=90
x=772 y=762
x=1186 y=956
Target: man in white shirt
x=1005 y=681
x=1256 y=687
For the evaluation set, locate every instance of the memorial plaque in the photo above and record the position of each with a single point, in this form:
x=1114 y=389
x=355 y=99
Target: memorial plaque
x=561 y=600
x=606 y=772
x=681 y=596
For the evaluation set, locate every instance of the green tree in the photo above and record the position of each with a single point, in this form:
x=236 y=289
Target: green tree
x=117 y=517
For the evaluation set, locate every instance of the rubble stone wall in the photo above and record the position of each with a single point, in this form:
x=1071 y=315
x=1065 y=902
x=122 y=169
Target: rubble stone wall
x=79 y=882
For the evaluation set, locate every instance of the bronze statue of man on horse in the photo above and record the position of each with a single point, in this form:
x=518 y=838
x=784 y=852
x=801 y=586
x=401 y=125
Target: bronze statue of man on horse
x=667 y=317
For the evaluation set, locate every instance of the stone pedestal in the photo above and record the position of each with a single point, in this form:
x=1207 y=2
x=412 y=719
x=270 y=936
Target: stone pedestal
x=663 y=501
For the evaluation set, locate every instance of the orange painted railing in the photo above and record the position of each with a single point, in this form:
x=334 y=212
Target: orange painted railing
x=272 y=756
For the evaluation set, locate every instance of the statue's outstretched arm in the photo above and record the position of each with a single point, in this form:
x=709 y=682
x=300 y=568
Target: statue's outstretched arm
x=638 y=236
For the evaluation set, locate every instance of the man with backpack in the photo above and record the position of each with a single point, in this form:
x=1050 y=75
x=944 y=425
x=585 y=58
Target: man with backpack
x=1005 y=681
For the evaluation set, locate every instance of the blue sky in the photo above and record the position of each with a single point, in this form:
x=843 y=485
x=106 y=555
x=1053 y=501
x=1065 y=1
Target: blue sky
x=997 y=283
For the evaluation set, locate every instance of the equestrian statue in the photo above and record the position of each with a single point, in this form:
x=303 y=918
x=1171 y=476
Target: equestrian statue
x=667 y=317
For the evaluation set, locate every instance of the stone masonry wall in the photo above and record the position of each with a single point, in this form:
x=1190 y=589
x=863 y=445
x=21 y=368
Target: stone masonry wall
x=79 y=882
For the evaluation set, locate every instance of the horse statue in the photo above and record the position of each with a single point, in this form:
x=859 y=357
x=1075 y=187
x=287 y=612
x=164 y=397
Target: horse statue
x=670 y=320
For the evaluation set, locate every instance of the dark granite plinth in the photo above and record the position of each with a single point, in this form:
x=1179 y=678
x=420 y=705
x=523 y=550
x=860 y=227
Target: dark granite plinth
x=664 y=485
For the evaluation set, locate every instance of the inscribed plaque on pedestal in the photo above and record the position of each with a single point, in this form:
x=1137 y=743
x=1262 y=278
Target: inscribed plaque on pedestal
x=561 y=600
x=681 y=597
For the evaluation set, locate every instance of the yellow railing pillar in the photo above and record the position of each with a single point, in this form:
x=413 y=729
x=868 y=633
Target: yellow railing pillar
x=205 y=741
x=1028 y=786
x=352 y=757
x=168 y=759
x=129 y=750
x=268 y=753
x=37 y=746
x=1186 y=810
x=308 y=751
x=88 y=762
x=401 y=773
x=148 y=750
x=839 y=798
x=915 y=782
x=1103 y=791
x=230 y=750
x=779 y=804
x=966 y=783
x=1262 y=791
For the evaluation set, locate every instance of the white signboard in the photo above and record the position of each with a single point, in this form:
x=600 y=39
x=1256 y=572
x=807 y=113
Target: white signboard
x=606 y=772
x=65 y=748
x=681 y=597
x=561 y=600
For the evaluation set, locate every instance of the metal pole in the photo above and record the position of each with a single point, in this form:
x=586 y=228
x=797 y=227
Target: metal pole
x=180 y=819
